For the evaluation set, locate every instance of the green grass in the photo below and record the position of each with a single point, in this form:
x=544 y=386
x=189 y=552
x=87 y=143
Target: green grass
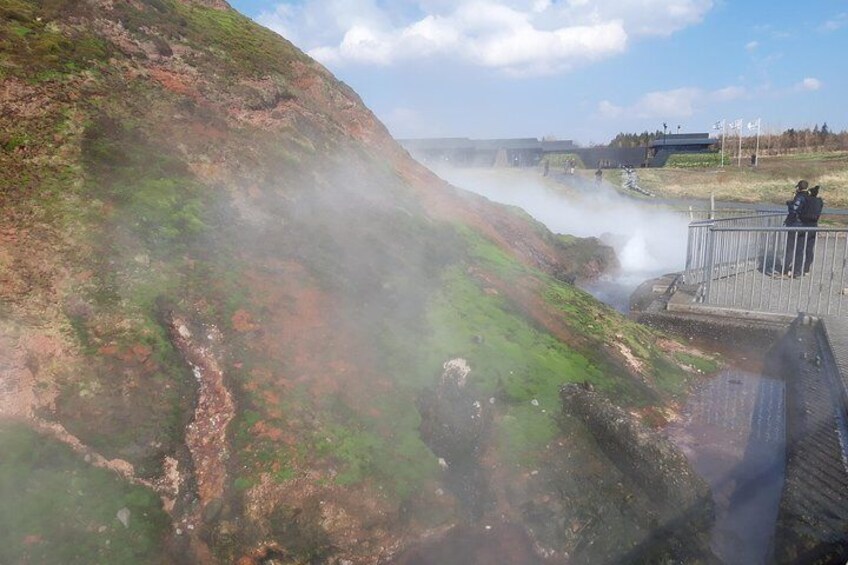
x=559 y=160
x=702 y=364
x=229 y=43
x=58 y=510
x=771 y=181
x=695 y=160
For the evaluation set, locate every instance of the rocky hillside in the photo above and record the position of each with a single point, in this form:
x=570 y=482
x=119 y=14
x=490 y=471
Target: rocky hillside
x=228 y=300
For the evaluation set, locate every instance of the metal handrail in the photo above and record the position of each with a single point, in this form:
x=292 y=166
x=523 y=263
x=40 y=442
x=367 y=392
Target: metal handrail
x=774 y=268
x=698 y=252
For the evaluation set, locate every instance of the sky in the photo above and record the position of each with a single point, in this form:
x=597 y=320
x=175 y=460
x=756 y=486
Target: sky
x=577 y=69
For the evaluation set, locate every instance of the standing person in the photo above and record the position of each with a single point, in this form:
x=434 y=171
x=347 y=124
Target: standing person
x=599 y=175
x=793 y=220
x=809 y=216
x=571 y=164
x=547 y=168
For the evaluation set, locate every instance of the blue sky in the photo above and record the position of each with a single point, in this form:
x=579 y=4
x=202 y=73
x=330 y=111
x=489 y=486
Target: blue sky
x=576 y=69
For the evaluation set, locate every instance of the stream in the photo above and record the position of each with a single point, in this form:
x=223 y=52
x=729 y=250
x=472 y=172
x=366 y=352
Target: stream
x=732 y=426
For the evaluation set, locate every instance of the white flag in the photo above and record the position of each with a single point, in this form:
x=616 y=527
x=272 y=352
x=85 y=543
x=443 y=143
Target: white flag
x=754 y=125
x=718 y=125
x=737 y=124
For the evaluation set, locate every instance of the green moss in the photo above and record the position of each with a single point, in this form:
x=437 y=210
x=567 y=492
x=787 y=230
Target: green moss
x=705 y=365
x=482 y=252
x=227 y=41
x=524 y=432
x=56 y=509
x=395 y=457
x=667 y=376
x=153 y=194
x=243 y=483
x=508 y=356
x=33 y=44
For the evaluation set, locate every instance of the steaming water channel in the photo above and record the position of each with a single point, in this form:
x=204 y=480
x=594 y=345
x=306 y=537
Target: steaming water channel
x=732 y=427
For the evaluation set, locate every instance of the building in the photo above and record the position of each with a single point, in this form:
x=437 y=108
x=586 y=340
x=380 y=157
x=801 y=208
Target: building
x=464 y=152
x=529 y=151
x=661 y=148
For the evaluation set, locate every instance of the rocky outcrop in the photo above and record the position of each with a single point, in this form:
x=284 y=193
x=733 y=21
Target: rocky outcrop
x=453 y=424
x=206 y=436
x=683 y=500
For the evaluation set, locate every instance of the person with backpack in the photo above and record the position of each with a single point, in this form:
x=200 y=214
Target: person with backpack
x=809 y=216
x=794 y=243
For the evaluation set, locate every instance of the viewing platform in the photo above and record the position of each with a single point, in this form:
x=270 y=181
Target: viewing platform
x=737 y=281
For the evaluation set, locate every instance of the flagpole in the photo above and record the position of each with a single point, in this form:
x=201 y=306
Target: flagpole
x=739 y=133
x=723 y=131
x=757 y=150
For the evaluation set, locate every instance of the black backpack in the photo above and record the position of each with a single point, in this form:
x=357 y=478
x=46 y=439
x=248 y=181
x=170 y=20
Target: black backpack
x=811 y=212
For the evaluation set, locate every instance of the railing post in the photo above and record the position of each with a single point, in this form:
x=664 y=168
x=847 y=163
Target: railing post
x=708 y=268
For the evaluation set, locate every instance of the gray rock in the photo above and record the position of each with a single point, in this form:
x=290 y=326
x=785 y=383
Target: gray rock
x=123 y=516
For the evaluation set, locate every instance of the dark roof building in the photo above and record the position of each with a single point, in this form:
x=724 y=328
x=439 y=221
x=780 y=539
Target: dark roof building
x=529 y=151
x=684 y=142
x=514 y=152
x=661 y=148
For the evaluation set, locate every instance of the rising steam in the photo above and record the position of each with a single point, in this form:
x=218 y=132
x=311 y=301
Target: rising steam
x=648 y=240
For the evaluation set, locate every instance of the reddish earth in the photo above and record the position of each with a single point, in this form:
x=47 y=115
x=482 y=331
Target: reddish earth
x=206 y=436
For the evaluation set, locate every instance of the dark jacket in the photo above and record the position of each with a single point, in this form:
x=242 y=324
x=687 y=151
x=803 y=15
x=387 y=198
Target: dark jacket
x=794 y=207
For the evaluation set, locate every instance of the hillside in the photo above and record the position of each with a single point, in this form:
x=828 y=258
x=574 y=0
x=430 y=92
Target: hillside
x=229 y=300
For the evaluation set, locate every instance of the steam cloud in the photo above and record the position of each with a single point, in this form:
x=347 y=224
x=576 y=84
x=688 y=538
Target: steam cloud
x=649 y=241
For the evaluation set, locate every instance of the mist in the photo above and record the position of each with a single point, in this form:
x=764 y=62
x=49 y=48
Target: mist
x=649 y=241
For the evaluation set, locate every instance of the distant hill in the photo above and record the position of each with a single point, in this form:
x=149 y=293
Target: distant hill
x=223 y=279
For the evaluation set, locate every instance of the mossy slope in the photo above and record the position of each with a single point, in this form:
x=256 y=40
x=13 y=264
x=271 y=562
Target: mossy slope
x=169 y=153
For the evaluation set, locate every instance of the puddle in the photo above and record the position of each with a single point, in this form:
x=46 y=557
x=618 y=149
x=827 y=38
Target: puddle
x=732 y=432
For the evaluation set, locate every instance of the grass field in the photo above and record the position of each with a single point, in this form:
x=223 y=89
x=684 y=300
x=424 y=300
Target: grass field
x=772 y=181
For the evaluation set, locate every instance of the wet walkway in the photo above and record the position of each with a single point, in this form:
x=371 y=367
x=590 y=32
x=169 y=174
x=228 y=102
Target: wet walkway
x=732 y=432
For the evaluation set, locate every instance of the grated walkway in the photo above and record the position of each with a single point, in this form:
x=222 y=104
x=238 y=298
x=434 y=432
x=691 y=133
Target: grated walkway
x=814 y=509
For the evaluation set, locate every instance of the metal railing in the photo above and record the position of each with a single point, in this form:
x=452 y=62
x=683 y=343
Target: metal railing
x=751 y=264
x=704 y=214
x=699 y=254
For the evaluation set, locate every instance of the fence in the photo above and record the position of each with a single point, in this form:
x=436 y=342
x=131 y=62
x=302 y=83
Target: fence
x=699 y=253
x=754 y=264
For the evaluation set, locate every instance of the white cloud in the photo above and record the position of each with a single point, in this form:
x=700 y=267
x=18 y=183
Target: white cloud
x=607 y=109
x=728 y=93
x=809 y=84
x=837 y=22
x=752 y=45
x=520 y=37
x=667 y=104
x=675 y=103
